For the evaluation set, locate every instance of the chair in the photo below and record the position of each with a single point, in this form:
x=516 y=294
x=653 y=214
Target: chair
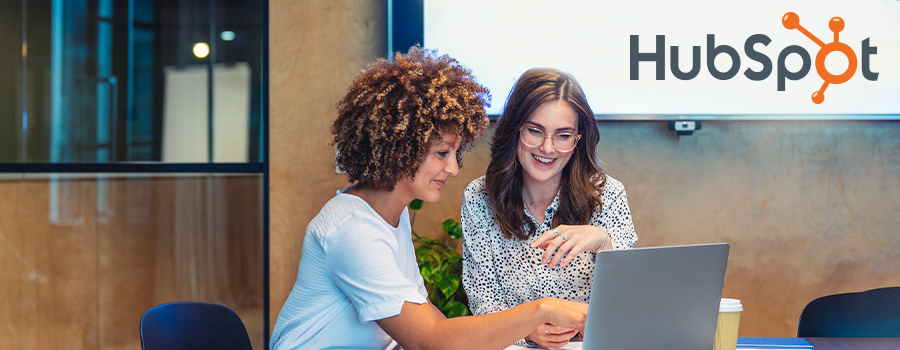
x=193 y=325
x=871 y=314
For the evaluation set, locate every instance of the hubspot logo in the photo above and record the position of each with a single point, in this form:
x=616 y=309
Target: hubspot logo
x=792 y=21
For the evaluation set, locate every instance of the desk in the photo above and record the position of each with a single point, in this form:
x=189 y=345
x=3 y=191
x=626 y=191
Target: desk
x=854 y=343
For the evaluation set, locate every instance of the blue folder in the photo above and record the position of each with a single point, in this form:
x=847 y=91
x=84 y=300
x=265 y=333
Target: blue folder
x=747 y=343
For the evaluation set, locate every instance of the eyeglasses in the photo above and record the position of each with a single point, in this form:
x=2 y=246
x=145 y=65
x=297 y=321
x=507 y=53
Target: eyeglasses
x=562 y=142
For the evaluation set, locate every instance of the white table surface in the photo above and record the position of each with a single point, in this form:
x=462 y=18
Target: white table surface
x=570 y=346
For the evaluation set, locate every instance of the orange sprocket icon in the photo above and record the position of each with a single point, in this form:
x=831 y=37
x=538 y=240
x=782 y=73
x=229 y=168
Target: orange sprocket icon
x=836 y=24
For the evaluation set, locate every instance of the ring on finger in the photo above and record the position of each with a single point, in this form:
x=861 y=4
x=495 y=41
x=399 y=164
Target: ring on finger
x=555 y=232
x=563 y=237
x=547 y=328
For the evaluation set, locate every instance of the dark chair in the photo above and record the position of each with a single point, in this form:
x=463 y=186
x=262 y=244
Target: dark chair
x=871 y=314
x=193 y=325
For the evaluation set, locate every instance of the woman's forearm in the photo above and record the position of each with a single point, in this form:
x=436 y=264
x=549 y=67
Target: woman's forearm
x=414 y=329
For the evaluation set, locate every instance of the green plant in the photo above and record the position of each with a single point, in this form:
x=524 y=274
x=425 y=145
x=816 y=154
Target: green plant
x=441 y=267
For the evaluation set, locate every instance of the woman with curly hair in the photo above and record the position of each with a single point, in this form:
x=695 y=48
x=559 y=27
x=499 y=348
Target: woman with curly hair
x=400 y=133
x=532 y=223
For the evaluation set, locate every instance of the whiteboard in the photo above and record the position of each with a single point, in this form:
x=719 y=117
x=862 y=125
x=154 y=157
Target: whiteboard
x=499 y=40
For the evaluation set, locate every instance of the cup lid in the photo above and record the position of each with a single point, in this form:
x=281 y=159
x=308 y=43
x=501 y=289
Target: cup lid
x=730 y=305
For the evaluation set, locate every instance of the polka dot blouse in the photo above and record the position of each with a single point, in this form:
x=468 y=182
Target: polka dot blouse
x=500 y=273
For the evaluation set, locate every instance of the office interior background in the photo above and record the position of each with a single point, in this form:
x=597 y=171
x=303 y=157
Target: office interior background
x=132 y=168
x=119 y=193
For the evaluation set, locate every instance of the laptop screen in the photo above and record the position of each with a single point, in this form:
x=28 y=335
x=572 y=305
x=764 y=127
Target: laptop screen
x=656 y=298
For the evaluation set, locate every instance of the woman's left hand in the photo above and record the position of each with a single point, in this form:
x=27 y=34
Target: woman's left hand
x=565 y=243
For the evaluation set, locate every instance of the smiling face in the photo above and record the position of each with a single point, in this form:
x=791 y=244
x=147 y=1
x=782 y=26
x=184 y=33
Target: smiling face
x=544 y=163
x=439 y=165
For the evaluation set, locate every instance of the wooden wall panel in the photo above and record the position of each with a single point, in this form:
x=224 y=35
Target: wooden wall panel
x=47 y=269
x=209 y=244
x=243 y=219
x=127 y=233
x=316 y=48
x=80 y=276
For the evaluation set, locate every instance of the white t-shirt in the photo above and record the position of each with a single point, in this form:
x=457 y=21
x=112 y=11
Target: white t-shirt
x=355 y=268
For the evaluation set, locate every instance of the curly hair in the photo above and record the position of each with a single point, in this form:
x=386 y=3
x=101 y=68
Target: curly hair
x=395 y=110
x=581 y=187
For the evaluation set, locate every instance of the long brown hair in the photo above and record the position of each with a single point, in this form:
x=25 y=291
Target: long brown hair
x=582 y=178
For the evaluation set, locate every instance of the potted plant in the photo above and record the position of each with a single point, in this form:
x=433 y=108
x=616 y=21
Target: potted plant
x=441 y=267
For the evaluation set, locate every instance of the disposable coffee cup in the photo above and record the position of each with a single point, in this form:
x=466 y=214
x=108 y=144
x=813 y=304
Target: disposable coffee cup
x=727 y=326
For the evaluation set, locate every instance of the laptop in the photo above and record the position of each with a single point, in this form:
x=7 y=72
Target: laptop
x=660 y=298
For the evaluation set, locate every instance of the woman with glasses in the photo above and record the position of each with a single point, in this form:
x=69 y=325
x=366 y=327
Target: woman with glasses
x=532 y=224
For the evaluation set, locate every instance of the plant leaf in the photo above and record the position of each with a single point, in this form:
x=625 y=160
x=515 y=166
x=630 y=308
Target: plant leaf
x=416 y=204
x=453 y=228
x=441 y=267
x=455 y=309
x=434 y=256
x=427 y=272
x=448 y=224
x=421 y=252
x=448 y=284
x=440 y=303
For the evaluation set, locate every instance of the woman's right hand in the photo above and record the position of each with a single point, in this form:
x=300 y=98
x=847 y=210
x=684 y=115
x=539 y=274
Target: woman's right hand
x=564 y=313
x=550 y=336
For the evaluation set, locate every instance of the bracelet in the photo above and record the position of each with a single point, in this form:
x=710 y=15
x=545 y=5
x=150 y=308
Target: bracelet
x=594 y=256
x=604 y=243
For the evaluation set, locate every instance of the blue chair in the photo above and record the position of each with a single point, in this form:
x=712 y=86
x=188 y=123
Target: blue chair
x=871 y=314
x=191 y=325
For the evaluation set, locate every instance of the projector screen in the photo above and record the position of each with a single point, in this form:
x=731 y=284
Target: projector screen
x=735 y=59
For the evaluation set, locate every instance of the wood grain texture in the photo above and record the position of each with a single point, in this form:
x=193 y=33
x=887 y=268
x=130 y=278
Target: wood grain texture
x=48 y=280
x=208 y=244
x=316 y=49
x=81 y=259
x=126 y=236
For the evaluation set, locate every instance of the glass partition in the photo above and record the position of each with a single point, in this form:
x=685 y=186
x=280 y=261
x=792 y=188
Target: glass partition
x=133 y=162
x=95 y=81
